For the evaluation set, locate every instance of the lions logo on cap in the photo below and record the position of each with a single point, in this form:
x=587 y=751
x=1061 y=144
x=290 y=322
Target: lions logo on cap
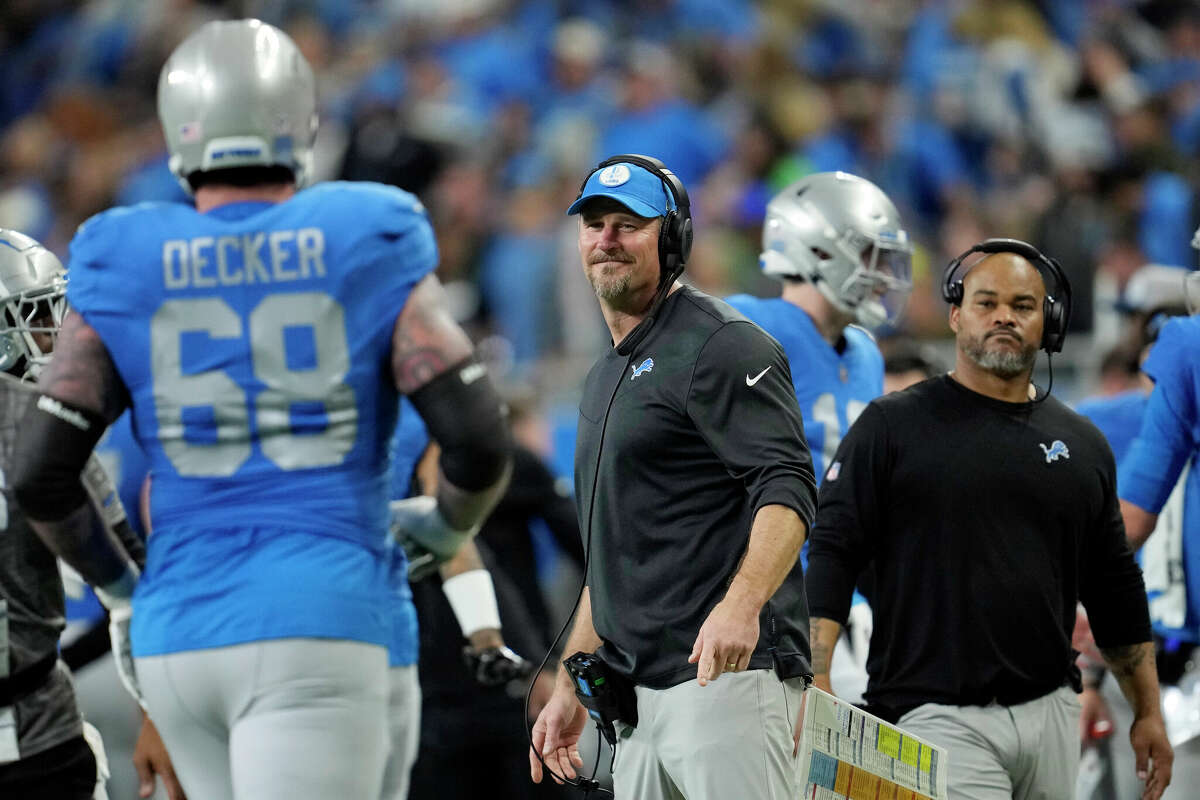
x=615 y=175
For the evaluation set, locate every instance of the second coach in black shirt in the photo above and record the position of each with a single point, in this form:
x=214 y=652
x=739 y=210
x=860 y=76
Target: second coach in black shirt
x=695 y=492
x=987 y=515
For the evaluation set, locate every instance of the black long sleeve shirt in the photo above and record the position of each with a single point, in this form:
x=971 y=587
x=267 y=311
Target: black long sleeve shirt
x=986 y=521
x=679 y=444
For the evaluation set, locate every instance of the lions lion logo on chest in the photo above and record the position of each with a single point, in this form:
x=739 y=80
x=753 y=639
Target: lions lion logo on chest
x=1056 y=449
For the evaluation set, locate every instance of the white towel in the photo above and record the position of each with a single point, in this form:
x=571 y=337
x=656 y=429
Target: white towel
x=1162 y=562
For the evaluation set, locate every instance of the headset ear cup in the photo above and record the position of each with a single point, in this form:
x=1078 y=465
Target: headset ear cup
x=674 y=242
x=952 y=293
x=666 y=244
x=685 y=239
x=952 y=290
x=1053 y=325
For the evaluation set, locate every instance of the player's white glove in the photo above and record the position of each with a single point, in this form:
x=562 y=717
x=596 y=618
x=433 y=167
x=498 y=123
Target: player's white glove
x=428 y=540
x=116 y=598
x=860 y=625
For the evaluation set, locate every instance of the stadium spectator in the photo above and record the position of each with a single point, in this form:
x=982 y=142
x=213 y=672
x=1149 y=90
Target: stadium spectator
x=1073 y=128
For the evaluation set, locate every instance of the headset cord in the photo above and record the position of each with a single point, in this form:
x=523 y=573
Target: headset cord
x=642 y=329
x=631 y=340
x=1050 y=383
x=586 y=785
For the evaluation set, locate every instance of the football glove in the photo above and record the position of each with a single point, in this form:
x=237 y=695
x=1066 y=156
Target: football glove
x=496 y=666
x=427 y=539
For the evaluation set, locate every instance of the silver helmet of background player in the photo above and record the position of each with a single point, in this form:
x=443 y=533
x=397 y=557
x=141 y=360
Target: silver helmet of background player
x=1191 y=282
x=33 y=288
x=238 y=94
x=842 y=234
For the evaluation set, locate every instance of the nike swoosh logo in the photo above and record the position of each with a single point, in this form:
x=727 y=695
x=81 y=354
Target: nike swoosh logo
x=751 y=381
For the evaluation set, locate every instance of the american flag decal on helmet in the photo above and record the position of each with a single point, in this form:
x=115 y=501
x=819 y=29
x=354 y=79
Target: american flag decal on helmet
x=190 y=132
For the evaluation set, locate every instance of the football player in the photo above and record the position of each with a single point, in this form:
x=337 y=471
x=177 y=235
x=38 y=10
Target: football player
x=837 y=243
x=261 y=339
x=46 y=749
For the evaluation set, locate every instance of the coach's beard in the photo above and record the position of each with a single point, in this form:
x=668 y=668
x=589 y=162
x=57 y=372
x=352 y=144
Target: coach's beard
x=609 y=287
x=1002 y=362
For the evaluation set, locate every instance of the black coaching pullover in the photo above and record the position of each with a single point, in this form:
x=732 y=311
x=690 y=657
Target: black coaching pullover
x=679 y=444
x=986 y=522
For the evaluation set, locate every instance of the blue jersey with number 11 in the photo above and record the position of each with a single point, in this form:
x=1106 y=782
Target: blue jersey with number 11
x=254 y=341
x=832 y=388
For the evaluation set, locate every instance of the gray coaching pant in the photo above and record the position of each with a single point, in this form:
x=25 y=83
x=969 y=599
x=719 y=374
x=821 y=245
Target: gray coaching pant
x=283 y=719
x=1028 y=751
x=730 y=739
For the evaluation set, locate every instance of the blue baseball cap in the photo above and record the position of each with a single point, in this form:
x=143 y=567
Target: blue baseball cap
x=633 y=186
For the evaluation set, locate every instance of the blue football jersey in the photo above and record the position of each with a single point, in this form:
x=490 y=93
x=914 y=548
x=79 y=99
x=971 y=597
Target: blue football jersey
x=408 y=444
x=1119 y=417
x=127 y=465
x=254 y=341
x=1168 y=440
x=832 y=388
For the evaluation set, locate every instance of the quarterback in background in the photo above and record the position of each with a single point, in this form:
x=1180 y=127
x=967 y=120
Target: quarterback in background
x=836 y=242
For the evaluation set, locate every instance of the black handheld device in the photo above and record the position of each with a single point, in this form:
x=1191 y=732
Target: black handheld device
x=608 y=697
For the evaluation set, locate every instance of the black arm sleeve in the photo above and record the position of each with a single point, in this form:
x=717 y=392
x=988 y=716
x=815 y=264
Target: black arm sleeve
x=742 y=401
x=1110 y=582
x=89 y=646
x=467 y=419
x=54 y=442
x=843 y=538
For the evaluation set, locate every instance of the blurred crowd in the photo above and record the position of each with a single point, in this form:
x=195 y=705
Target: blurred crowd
x=1073 y=124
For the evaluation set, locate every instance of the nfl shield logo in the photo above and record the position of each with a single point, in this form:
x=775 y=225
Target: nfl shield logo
x=834 y=470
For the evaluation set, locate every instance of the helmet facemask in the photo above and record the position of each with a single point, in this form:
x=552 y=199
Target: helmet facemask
x=875 y=290
x=29 y=328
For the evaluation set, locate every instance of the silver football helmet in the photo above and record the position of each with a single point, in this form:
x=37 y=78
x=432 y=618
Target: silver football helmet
x=842 y=234
x=33 y=289
x=238 y=94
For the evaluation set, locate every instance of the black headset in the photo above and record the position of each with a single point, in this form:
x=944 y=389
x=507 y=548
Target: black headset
x=675 y=235
x=1056 y=308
